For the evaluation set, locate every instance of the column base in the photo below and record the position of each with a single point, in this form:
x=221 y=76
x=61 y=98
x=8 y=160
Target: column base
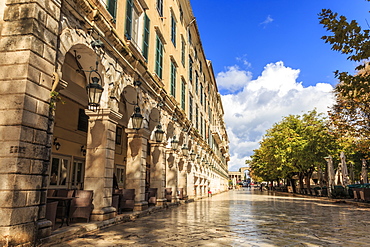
x=141 y=206
x=161 y=202
x=103 y=214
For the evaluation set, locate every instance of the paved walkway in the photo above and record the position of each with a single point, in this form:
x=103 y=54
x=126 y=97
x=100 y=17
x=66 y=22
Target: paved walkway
x=242 y=218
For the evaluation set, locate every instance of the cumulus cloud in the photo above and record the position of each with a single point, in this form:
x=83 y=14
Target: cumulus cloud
x=233 y=80
x=253 y=106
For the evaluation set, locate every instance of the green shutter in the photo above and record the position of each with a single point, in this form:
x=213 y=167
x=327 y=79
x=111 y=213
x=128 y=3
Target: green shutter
x=159 y=58
x=128 y=27
x=146 y=37
x=111 y=7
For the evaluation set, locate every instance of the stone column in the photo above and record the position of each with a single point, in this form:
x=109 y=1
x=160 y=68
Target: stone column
x=182 y=181
x=158 y=171
x=137 y=141
x=100 y=160
x=171 y=173
x=190 y=181
x=28 y=34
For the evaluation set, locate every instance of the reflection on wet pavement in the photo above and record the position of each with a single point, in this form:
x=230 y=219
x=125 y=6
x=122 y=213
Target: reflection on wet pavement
x=242 y=218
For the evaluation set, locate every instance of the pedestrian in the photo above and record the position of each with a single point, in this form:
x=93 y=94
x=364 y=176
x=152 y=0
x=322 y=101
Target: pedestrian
x=209 y=193
x=261 y=187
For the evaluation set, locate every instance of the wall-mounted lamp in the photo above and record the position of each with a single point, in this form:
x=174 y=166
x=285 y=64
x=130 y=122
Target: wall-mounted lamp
x=192 y=155
x=185 y=150
x=174 y=143
x=56 y=144
x=137 y=119
x=159 y=133
x=83 y=150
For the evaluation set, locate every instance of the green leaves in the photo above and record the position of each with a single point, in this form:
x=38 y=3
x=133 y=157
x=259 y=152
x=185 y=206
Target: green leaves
x=297 y=144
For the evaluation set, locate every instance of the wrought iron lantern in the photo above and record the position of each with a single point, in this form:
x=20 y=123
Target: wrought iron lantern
x=192 y=155
x=174 y=144
x=185 y=150
x=159 y=133
x=137 y=119
x=94 y=90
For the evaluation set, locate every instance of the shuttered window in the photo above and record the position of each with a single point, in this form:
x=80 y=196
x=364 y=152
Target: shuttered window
x=146 y=37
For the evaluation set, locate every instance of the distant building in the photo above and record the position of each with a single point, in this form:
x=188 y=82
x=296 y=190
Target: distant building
x=237 y=177
x=77 y=77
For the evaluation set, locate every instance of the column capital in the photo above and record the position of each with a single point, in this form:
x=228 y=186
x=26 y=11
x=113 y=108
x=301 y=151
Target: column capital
x=104 y=114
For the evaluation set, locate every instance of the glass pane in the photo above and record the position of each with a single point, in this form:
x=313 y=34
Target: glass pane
x=54 y=171
x=64 y=172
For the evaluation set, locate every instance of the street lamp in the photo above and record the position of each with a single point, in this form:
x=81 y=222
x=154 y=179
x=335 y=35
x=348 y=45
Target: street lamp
x=192 y=155
x=159 y=133
x=137 y=119
x=174 y=143
x=185 y=150
x=94 y=90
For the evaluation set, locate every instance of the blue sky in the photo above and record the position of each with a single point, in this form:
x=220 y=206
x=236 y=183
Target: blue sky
x=270 y=61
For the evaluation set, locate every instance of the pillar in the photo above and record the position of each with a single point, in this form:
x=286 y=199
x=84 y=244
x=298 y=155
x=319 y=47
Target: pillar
x=171 y=172
x=100 y=160
x=158 y=170
x=137 y=141
x=27 y=55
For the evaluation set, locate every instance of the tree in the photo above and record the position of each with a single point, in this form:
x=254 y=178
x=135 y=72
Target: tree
x=295 y=146
x=351 y=112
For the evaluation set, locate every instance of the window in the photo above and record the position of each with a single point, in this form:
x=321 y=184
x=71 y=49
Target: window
x=196 y=82
x=173 y=79
x=120 y=174
x=190 y=107
x=183 y=51
x=59 y=171
x=132 y=22
x=160 y=7
x=83 y=121
x=173 y=30
x=159 y=58
x=201 y=125
x=118 y=135
x=112 y=8
x=190 y=69
x=78 y=174
x=196 y=117
x=189 y=36
x=181 y=15
x=183 y=94
x=146 y=37
x=201 y=94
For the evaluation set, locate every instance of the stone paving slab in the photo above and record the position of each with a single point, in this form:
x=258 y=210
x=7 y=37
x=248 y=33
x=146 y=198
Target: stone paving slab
x=241 y=218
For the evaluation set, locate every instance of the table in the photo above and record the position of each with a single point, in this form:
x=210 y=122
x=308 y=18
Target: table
x=65 y=204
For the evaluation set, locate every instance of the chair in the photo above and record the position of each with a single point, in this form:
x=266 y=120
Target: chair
x=51 y=212
x=152 y=198
x=127 y=200
x=168 y=194
x=64 y=193
x=50 y=193
x=81 y=205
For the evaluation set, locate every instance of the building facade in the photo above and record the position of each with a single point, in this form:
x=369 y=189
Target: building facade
x=146 y=59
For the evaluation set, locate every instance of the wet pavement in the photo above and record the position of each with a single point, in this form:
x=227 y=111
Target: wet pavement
x=242 y=218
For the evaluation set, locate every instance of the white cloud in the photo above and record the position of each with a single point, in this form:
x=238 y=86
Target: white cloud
x=256 y=105
x=267 y=21
x=233 y=79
